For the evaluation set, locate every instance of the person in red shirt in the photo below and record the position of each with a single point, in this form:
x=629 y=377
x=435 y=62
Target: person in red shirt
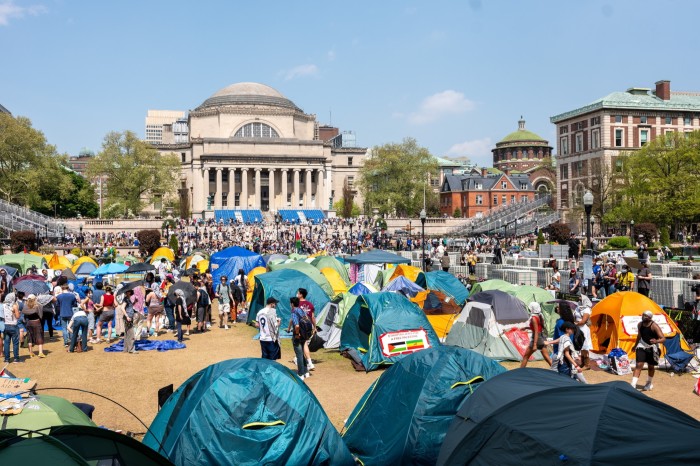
x=308 y=308
x=537 y=342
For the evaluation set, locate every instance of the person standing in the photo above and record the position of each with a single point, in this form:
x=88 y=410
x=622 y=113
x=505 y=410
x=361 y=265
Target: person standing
x=644 y=280
x=566 y=356
x=610 y=278
x=181 y=315
x=625 y=279
x=106 y=304
x=309 y=310
x=203 y=302
x=66 y=303
x=127 y=312
x=297 y=340
x=445 y=262
x=471 y=261
x=537 y=342
x=239 y=286
x=32 y=313
x=582 y=316
x=78 y=324
x=646 y=348
x=167 y=305
x=11 y=332
x=268 y=324
x=574 y=250
x=224 y=296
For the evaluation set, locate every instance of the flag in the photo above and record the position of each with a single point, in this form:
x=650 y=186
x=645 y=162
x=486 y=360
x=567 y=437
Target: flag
x=297 y=238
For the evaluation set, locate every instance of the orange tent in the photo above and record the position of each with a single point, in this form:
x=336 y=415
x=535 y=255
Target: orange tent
x=614 y=322
x=251 y=281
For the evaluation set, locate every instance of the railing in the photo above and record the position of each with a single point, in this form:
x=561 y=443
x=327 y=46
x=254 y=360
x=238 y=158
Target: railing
x=17 y=218
x=503 y=216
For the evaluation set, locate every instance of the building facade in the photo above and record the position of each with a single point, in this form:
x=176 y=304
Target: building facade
x=156 y=120
x=590 y=138
x=249 y=147
x=4 y=110
x=476 y=193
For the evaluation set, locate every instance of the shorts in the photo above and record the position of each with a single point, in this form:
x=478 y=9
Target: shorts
x=155 y=310
x=573 y=254
x=201 y=314
x=224 y=308
x=91 y=321
x=646 y=356
x=540 y=342
x=106 y=316
x=270 y=350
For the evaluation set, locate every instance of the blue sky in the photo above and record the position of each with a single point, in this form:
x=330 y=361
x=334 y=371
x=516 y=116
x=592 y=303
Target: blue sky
x=456 y=75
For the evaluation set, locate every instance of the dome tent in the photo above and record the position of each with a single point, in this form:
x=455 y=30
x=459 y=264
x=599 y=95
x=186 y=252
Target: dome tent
x=245 y=411
x=230 y=260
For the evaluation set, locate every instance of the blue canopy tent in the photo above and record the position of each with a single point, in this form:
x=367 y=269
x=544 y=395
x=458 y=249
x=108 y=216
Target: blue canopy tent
x=448 y=284
x=230 y=260
x=245 y=412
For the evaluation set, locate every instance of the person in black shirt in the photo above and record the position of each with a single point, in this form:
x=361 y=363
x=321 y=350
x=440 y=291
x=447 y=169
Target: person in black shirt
x=644 y=280
x=649 y=337
x=574 y=247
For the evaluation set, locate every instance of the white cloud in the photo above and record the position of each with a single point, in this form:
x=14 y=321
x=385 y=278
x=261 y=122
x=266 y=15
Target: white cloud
x=301 y=71
x=478 y=151
x=443 y=103
x=9 y=10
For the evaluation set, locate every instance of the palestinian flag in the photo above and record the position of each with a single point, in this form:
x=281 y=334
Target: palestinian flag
x=398 y=347
x=297 y=238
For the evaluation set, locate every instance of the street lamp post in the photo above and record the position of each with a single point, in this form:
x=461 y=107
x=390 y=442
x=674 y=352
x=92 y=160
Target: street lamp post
x=632 y=232
x=351 y=222
x=410 y=235
x=588 y=205
x=46 y=232
x=81 y=236
x=277 y=226
x=422 y=236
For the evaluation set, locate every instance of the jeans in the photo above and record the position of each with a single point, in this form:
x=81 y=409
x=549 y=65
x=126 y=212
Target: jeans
x=299 y=353
x=64 y=326
x=169 y=313
x=178 y=327
x=80 y=324
x=11 y=334
x=47 y=319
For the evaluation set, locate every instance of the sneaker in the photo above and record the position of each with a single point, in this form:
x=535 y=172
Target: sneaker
x=42 y=355
x=307 y=375
x=648 y=387
x=310 y=366
x=6 y=361
x=16 y=361
x=225 y=327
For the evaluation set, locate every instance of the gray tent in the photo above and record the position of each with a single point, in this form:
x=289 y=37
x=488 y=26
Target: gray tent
x=508 y=308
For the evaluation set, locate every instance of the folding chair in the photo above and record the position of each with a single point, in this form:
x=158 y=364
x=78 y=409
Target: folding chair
x=676 y=357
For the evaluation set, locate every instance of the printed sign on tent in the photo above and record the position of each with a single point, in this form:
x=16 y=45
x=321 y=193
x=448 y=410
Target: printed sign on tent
x=403 y=342
x=630 y=323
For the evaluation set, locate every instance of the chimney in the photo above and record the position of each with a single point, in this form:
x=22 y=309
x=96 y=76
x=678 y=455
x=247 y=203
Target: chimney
x=506 y=171
x=663 y=90
x=484 y=172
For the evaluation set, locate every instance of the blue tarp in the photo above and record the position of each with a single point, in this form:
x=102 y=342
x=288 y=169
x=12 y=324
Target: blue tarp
x=377 y=256
x=147 y=345
x=228 y=261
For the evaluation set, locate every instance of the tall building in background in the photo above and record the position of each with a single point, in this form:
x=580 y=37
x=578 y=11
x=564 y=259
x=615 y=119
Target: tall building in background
x=156 y=120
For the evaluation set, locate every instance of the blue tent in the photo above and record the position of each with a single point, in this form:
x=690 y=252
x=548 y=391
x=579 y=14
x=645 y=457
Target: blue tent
x=404 y=286
x=448 y=284
x=377 y=256
x=245 y=411
x=361 y=288
x=431 y=386
x=109 y=269
x=86 y=268
x=228 y=261
x=282 y=285
x=385 y=327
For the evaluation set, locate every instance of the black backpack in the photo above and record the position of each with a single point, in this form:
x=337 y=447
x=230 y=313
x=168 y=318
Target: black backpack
x=579 y=339
x=306 y=327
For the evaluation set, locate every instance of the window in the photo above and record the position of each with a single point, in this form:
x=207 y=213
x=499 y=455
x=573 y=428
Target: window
x=643 y=137
x=687 y=121
x=618 y=118
x=523 y=198
x=643 y=120
x=158 y=202
x=495 y=199
x=256 y=130
x=564 y=170
x=351 y=181
x=478 y=185
x=618 y=165
x=579 y=143
x=349 y=161
x=504 y=185
x=523 y=185
x=479 y=199
x=237 y=176
x=237 y=199
x=668 y=120
x=313 y=177
x=578 y=168
x=564 y=145
x=183 y=157
x=563 y=129
x=224 y=200
x=504 y=199
x=595 y=121
x=595 y=139
x=224 y=176
x=619 y=137
x=289 y=176
x=512 y=199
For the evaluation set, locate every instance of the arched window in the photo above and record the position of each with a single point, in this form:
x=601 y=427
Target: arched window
x=256 y=130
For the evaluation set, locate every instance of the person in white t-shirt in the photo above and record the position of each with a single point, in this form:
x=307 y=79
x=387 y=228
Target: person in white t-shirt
x=268 y=323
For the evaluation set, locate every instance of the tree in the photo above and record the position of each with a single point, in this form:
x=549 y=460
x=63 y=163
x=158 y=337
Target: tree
x=457 y=213
x=173 y=244
x=395 y=176
x=348 y=202
x=135 y=172
x=149 y=241
x=67 y=196
x=559 y=232
x=21 y=240
x=647 y=230
x=339 y=206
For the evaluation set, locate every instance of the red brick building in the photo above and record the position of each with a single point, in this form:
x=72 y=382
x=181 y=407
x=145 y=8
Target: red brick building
x=474 y=194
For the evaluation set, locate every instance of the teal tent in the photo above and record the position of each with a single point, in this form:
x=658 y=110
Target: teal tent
x=410 y=407
x=494 y=284
x=308 y=270
x=245 y=412
x=448 y=284
x=384 y=328
x=282 y=285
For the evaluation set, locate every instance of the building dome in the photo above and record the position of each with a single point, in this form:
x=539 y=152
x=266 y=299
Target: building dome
x=248 y=94
x=521 y=135
x=521 y=150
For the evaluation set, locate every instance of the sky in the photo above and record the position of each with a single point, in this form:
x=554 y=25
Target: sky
x=454 y=75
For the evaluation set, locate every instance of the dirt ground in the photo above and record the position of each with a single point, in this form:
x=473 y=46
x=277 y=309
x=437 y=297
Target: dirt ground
x=134 y=379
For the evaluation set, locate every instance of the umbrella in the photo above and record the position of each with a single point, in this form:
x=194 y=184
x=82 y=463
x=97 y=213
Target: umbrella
x=29 y=277
x=191 y=271
x=110 y=269
x=10 y=270
x=189 y=290
x=140 y=268
x=129 y=286
x=68 y=273
x=35 y=287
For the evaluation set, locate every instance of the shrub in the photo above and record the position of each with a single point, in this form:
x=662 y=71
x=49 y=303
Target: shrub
x=173 y=244
x=619 y=242
x=647 y=230
x=76 y=252
x=559 y=232
x=665 y=236
x=457 y=213
x=149 y=241
x=540 y=238
x=21 y=240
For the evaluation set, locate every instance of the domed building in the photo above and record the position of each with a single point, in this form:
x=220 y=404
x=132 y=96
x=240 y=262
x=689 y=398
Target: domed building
x=526 y=152
x=252 y=148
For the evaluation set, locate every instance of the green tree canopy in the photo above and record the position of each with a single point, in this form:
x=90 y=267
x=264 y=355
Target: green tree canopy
x=395 y=176
x=134 y=172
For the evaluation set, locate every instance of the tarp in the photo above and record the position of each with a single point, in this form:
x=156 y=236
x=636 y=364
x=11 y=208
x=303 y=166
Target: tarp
x=308 y=270
x=403 y=417
x=246 y=412
x=228 y=261
x=406 y=287
x=323 y=262
x=448 y=284
x=110 y=269
x=163 y=252
x=495 y=425
x=489 y=285
x=282 y=285
x=507 y=308
x=377 y=256
x=147 y=345
x=477 y=329
x=335 y=280
x=23 y=262
x=614 y=322
x=44 y=411
x=385 y=327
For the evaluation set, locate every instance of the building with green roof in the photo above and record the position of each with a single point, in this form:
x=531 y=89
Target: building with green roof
x=521 y=150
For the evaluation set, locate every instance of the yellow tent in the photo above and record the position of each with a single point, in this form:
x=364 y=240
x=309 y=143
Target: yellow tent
x=34 y=253
x=336 y=281
x=163 y=252
x=57 y=262
x=251 y=281
x=202 y=266
x=414 y=274
x=80 y=260
x=614 y=322
x=193 y=260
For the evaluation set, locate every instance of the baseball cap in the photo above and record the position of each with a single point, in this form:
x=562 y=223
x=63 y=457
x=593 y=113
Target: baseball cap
x=272 y=301
x=648 y=314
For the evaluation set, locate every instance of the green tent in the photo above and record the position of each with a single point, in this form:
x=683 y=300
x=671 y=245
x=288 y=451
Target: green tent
x=322 y=262
x=489 y=285
x=23 y=262
x=46 y=411
x=309 y=270
x=529 y=294
x=282 y=285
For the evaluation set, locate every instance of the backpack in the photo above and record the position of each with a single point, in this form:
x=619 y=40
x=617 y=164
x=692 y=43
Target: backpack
x=203 y=298
x=579 y=339
x=306 y=328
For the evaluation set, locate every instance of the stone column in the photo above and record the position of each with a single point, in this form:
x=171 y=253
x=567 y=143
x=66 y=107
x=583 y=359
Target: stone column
x=231 y=188
x=205 y=191
x=284 y=188
x=244 y=188
x=258 y=198
x=271 y=189
x=219 y=188
x=295 y=190
x=321 y=197
x=307 y=185
x=197 y=189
